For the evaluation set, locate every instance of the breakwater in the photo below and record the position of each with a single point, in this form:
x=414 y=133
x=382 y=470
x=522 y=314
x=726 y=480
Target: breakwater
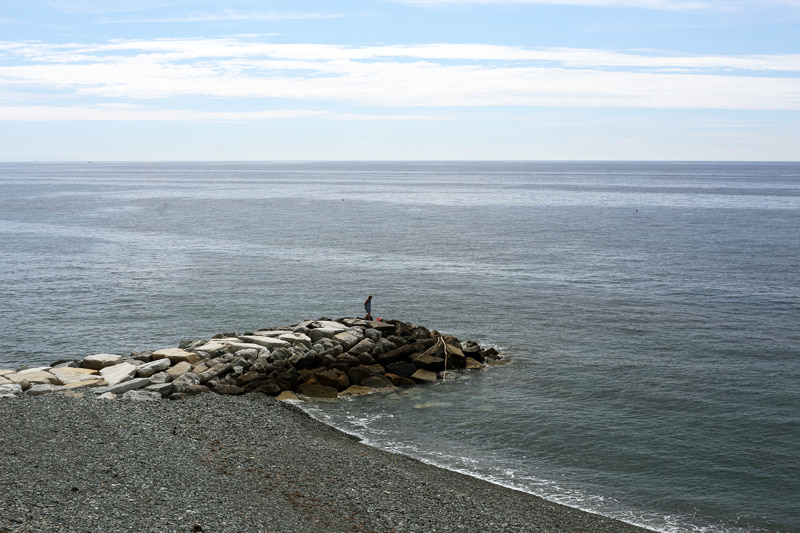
x=321 y=358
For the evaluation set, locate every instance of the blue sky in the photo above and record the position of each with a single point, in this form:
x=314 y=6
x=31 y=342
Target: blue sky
x=400 y=80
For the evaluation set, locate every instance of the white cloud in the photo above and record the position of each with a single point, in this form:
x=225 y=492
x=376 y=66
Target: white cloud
x=109 y=78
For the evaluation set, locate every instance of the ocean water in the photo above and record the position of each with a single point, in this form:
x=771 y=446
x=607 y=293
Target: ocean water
x=650 y=311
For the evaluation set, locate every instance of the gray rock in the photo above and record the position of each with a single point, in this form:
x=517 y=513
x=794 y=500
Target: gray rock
x=365 y=346
x=349 y=338
x=40 y=389
x=296 y=338
x=160 y=377
x=164 y=389
x=323 y=333
x=148 y=369
x=267 y=342
x=123 y=387
x=186 y=382
x=214 y=372
x=140 y=395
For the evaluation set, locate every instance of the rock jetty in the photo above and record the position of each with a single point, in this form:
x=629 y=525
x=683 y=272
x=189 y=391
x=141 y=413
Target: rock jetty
x=321 y=358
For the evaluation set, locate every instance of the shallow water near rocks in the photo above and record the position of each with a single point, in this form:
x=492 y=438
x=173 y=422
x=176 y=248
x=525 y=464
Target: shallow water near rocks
x=650 y=310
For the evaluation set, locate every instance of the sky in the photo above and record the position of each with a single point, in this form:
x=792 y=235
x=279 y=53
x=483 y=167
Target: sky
x=146 y=80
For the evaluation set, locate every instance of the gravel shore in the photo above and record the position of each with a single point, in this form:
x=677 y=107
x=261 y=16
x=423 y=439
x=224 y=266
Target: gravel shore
x=235 y=464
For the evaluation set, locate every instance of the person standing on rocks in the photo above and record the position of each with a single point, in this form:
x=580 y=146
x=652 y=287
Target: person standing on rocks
x=368 y=308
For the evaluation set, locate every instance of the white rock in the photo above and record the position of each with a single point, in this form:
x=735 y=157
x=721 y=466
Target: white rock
x=100 y=360
x=329 y=324
x=148 y=369
x=118 y=373
x=296 y=338
x=211 y=347
x=10 y=390
x=107 y=396
x=267 y=342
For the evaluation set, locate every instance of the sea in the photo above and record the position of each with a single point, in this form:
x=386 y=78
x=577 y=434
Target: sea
x=648 y=312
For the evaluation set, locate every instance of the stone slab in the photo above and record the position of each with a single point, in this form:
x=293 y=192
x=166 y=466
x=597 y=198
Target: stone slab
x=33 y=377
x=179 y=369
x=118 y=373
x=211 y=347
x=69 y=375
x=121 y=388
x=148 y=369
x=267 y=342
x=98 y=382
x=328 y=324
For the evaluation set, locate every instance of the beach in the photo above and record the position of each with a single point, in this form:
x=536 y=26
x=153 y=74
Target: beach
x=224 y=464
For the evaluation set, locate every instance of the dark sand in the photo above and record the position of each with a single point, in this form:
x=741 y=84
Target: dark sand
x=235 y=464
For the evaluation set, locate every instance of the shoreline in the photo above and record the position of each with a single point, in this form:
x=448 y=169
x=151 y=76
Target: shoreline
x=246 y=463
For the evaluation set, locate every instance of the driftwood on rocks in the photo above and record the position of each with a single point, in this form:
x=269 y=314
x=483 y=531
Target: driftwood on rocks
x=314 y=359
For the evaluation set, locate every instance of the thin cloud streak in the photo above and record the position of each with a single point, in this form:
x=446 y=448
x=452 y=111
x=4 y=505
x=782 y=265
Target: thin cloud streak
x=225 y=16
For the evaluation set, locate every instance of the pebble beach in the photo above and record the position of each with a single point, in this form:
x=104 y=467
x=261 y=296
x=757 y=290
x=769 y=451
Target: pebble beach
x=235 y=463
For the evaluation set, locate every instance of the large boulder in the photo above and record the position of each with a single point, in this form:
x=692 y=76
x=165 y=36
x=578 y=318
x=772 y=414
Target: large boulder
x=359 y=373
x=398 y=354
x=402 y=368
x=333 y=377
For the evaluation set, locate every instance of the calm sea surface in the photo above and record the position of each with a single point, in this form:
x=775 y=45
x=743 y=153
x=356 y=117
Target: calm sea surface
x=651 y=310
